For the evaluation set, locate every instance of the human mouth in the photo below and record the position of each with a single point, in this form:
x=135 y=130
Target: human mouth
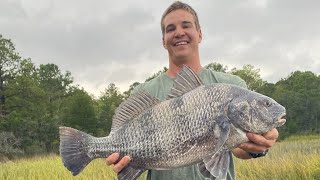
x=180 y=43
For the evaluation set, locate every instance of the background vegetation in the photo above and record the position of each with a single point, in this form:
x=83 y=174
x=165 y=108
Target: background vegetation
x=36 y=100
x=296 y=158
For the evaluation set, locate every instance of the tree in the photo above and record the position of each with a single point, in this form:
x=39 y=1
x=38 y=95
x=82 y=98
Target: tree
x=267 y=89
x=250 y=75
x=9 y=145
x=79 y=111
x=300 y=94
x=217 y=67
x=55 y=84
x=108 y=102
x=9 y=65
x=127 y=93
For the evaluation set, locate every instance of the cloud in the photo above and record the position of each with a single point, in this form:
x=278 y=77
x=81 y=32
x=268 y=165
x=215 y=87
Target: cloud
x=119 y=42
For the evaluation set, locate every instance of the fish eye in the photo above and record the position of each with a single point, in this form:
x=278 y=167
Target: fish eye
x=267 y=103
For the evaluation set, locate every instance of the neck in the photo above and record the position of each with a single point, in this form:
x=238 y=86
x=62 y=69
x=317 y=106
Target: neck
x=175 y=68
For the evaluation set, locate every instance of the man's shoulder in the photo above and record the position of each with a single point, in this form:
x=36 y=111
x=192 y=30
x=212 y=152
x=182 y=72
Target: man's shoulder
x=221 y=77
x=154 y=85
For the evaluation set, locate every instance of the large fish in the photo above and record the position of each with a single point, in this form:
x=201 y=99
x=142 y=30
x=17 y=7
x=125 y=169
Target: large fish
x=197 y=123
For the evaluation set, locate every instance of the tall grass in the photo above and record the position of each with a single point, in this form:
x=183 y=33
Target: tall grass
x=293 y=159
x=296 y=158
x=51 y=167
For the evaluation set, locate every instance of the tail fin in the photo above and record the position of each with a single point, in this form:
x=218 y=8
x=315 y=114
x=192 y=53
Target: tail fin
x=74 y=146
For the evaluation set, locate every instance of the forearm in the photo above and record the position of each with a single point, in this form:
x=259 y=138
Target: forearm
x=241 y=154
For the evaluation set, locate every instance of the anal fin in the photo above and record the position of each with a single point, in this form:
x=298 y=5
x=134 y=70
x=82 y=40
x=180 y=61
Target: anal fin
x=130 y=173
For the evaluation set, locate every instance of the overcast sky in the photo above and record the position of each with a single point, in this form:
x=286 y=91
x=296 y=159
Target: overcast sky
x=102 y=41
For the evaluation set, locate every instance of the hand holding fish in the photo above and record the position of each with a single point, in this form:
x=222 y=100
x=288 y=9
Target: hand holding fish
x=117 y=165
x=257 y=143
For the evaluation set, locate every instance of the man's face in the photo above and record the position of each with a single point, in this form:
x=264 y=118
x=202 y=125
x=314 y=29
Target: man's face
x=181 y=38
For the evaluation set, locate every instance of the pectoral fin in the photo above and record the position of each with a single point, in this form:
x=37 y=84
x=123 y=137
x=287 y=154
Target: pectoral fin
x=215 y=166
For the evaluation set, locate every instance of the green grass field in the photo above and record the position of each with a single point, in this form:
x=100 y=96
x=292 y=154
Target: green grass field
x=294 y=159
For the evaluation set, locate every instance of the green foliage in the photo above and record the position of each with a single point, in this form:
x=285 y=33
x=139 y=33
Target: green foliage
x=9 y=65
x=216 y=67
x=79 y=111
x=9 y=144
x=300 y=94
x=30 y=100
x=250 y=75
x=108 y=102
x=127 y=93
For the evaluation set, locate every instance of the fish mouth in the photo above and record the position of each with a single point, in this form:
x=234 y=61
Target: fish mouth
x=281 y=120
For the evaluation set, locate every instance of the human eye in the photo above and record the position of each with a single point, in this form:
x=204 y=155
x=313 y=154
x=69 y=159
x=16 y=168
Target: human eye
x=186 y=25
x=170 y=28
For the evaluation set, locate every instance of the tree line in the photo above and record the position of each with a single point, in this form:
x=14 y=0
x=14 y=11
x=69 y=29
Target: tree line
x=36 y=100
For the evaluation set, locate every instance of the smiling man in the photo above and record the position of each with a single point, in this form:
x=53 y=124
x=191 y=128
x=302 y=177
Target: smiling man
x=181 y=35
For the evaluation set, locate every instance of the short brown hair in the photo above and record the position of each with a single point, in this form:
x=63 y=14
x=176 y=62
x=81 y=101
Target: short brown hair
x=180 y=5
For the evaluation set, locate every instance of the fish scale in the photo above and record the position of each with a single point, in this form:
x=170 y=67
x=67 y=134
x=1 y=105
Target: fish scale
x=176 y=126
x=197 y=124
x=166 y=142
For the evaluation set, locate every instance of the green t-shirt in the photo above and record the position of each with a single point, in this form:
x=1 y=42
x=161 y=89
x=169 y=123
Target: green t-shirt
x=160 y=87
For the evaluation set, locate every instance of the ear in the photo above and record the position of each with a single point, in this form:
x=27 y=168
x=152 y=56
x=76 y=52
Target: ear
x=200 y=35
x=163 y=43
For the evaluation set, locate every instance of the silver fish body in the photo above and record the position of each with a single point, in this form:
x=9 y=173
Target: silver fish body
x=199 y=124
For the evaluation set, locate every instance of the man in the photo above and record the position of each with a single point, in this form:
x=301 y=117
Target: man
x=181 y=35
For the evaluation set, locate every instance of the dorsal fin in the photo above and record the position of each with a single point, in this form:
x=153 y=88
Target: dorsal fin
x=186 y=81
x=131 y=108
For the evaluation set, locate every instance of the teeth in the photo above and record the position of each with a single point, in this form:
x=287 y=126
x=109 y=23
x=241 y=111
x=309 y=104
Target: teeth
x=181 y=43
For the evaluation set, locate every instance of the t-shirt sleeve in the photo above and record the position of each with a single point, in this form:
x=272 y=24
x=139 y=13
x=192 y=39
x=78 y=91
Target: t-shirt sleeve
x=230 y=79
x=242 y=83
x=137 y=89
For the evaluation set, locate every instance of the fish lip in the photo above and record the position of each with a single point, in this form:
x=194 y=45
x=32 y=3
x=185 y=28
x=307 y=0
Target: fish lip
x=281 y=119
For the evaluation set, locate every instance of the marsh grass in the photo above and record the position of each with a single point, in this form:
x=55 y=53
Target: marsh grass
x=296 y=158
x=51 y=167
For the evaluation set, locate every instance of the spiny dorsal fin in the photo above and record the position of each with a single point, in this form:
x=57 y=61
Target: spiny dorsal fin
x=186 y=81
x=131 y=108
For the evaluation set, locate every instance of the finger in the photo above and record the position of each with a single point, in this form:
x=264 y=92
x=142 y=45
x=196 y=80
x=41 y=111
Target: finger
x=260 y=140
x=121 y=164
x=273 y=134
x=112 y=159
x=252 y=147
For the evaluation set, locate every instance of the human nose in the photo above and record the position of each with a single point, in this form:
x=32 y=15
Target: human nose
x=179 y=32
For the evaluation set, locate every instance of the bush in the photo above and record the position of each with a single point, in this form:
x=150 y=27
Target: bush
x=9 y=146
